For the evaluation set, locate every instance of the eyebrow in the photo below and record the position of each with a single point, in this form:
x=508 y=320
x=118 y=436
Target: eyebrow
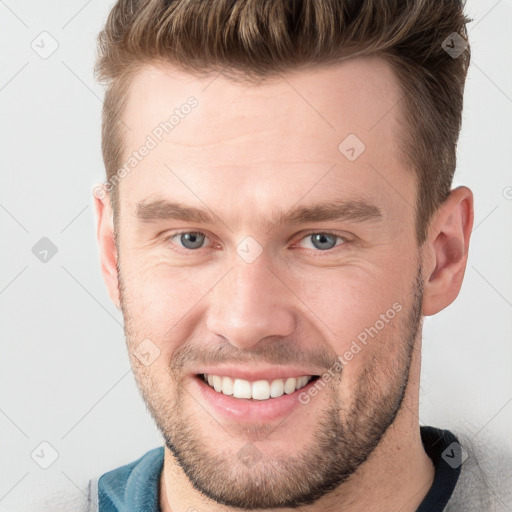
x=353 y=210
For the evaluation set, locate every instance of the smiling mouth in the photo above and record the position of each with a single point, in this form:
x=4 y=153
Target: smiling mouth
x=256 y=390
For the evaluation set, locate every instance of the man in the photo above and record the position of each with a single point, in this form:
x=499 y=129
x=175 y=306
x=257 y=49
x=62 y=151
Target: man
x=277 y=219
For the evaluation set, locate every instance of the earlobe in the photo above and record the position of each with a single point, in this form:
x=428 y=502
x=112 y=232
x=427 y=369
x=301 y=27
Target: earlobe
x=447 y=247
x=107 y=246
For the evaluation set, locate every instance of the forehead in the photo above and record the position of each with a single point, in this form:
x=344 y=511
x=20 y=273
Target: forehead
x=353 y=96
x=287 y=134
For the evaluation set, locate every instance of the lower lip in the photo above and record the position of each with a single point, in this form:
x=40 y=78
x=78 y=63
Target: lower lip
x=249 y=410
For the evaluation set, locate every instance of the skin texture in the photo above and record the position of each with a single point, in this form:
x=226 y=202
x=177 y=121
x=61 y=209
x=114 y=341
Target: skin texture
x=246 y=153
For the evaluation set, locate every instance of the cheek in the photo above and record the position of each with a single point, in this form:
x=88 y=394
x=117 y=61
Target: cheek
x=348 y=300
x=162 y=302
x=157 y=294
x=360 y=314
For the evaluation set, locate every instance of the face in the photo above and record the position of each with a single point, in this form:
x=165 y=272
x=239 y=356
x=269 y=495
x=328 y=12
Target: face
x=258 y=244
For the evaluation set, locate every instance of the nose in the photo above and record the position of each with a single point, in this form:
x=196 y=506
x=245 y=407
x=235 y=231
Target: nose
x=249 y=304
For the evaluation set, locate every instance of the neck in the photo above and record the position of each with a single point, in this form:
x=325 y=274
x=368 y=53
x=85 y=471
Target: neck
x=396 y=476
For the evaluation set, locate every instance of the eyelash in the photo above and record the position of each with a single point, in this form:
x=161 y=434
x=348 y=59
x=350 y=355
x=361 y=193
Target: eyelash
x=328 y=251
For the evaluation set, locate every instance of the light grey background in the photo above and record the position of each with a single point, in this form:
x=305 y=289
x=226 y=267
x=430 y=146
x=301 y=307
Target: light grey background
x=65 y=374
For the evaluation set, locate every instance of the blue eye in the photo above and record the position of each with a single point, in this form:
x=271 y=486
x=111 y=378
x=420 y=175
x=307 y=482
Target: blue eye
x=323 y=240
x=190 y=239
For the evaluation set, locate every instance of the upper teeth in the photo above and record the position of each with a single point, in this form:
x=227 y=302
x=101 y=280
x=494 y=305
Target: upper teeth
x=259 y=390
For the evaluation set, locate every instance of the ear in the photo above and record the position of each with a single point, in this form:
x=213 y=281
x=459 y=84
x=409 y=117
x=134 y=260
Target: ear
x=106 y=243
x=446 y=250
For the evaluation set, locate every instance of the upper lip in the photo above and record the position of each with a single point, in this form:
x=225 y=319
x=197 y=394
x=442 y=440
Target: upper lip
x=260 y=373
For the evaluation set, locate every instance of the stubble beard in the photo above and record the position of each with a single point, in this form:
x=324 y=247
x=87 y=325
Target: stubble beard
x=342 y=441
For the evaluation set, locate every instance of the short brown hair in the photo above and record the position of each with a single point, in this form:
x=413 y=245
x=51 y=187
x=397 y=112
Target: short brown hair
x=257 y=39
